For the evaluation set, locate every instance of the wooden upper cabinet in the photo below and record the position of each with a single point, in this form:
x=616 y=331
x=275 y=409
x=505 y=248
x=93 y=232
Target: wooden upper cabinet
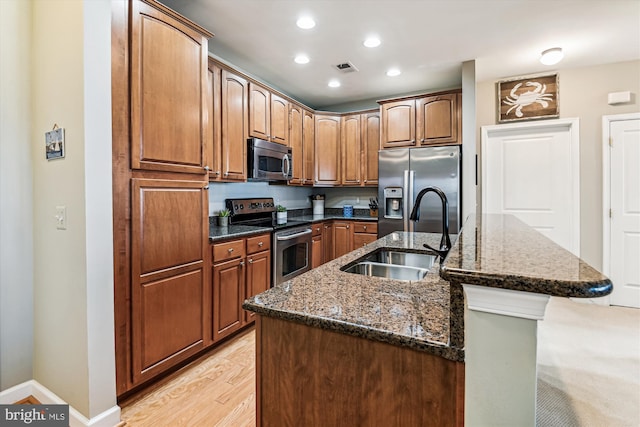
x=259 y=111
x=399 y=123
x=370 y=147
x=234 y=117
x=169 y=83
x=268 y=115
x=351 y=137
x=327 y=150
x=437 y=121
x=308 y=144
x=279 y=124
x=295 y=142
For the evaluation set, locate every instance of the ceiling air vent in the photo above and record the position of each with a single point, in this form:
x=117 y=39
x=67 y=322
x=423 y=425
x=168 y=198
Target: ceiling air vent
x=346 y=67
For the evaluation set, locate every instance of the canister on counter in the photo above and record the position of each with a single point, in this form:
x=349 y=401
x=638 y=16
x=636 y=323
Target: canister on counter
x=347 y=211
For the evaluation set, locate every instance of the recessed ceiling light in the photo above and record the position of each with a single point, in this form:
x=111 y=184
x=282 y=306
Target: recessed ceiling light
x=334 y=83
x=393 y=72
x=372 y=42
x=305 y=22
x=301 y=59
x=552 y=56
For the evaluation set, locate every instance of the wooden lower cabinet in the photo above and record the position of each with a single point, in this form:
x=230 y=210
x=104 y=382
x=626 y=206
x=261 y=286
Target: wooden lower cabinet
x=324 y=378
x=241 y=269
x=327 y=242
x=317 y=245
x=364 y=233
x=342 y=238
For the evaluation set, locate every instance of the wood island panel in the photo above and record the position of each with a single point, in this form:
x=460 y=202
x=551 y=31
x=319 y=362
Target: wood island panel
x=326 y=378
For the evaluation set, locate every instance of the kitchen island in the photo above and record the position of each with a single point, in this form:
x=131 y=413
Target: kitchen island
x=345 y=348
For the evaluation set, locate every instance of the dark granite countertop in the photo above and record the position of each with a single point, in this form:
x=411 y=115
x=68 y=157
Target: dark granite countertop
x=222 y=233
x=501 y=251
x=329 y=216
x=415 y=314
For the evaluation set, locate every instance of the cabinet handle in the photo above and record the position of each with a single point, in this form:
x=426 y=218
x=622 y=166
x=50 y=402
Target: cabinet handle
x=260 y=244
x=365 y=181
x=230 y=250
x=318 y=229
x=206 y=168
x=241 y=263
x=365 y=227
x=250 y=260
x=206 y=187
x=412 y=141
x=216 y=173
x=347 y=227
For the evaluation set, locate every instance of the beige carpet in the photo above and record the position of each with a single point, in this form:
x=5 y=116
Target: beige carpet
x=588 y=365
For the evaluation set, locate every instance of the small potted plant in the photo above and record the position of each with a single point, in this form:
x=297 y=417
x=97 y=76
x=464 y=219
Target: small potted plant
x=281 y=214
x=223 y=217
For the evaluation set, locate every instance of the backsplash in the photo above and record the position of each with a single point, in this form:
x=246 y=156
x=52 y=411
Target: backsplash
x=288 y=196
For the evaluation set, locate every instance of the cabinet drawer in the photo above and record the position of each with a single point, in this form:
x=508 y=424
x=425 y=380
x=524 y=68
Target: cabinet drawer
x=316 y=229
x=228 y=250
x=365 y=227
x=258 y=243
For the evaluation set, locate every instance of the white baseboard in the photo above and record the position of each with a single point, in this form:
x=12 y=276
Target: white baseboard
x=108 y=418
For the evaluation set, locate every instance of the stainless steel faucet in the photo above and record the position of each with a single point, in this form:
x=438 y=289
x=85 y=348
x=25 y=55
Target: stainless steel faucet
x=445 y=241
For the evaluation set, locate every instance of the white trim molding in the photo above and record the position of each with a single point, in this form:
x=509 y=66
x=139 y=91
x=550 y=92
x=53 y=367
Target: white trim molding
x=108 y=418
x=525 y=305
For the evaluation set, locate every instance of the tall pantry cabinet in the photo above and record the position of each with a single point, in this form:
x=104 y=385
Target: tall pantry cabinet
x=161 y=163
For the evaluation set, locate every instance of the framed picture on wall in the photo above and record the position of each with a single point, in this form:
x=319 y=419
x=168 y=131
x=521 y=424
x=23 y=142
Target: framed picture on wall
x=528 y=98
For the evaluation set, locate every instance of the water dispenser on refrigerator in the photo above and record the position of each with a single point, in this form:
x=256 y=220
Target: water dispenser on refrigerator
x=393 y=202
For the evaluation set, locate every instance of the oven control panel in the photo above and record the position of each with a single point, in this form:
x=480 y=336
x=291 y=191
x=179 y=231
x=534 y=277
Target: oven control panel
x=250 y=206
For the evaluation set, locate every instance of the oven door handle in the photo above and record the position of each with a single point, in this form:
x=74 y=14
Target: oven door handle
x=293 y=236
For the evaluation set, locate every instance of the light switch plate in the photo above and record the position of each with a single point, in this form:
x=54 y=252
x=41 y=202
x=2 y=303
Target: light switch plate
x=61 y=217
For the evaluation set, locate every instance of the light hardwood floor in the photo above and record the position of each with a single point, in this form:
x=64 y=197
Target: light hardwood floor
x=218 y=390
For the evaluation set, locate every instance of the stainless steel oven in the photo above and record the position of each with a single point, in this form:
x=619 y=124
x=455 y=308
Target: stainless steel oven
x=291 y=248
x=268 y=161
x=292 y=253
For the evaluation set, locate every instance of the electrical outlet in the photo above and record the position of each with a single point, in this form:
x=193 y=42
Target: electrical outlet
x=61 y=217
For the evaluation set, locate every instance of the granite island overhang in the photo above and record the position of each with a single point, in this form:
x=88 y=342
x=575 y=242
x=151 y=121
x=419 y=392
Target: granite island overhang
x=493 y=252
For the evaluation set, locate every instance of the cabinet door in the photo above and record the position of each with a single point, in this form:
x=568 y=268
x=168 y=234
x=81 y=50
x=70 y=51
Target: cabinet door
x=279 y=120
x=370 y=146
x=351 y=134
x=327 y=150
x=259 y=114
x=399 y=124
x=228 y=289
x=258 y=278
x=342 y=238
x=327 y=242
x=362 y=239
x=234 y=116
x=295 y=142
x=437 y=121
x=168 y=93
x=317 y=250
x=308 y=144
x=214 y=133
x=169 y=229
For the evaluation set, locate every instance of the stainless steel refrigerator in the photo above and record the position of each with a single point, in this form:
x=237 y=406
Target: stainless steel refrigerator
x=403 y=172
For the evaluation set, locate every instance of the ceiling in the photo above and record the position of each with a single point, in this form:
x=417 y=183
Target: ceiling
x=428 y=40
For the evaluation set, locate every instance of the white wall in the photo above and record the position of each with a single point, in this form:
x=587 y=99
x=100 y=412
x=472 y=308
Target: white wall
x=73 y=268
x=583 y=94
x=16 y=195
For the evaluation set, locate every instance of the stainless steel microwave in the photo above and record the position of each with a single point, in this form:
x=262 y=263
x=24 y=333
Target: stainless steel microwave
x=268 y=161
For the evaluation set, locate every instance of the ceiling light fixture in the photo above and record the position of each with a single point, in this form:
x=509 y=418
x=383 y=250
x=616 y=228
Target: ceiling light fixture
x=334 y=83
x=372 y=42
x=302 y=59
x=305 y=22
x=552 y=56
x=393 y=72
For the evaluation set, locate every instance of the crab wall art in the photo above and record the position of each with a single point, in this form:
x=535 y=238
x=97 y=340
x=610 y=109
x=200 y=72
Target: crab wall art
x=526 y=98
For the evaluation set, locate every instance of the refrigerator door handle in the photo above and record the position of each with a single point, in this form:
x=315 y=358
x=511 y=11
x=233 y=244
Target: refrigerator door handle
x=405 y=200
x=412 y=179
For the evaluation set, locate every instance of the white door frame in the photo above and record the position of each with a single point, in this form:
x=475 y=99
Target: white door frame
x=606 y=190
x=573 y=125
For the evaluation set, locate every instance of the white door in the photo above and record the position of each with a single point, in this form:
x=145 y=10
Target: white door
x=624 y=222
x=531 y=170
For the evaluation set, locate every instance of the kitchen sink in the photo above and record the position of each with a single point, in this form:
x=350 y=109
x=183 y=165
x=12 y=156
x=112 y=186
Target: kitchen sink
x=393 y=264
